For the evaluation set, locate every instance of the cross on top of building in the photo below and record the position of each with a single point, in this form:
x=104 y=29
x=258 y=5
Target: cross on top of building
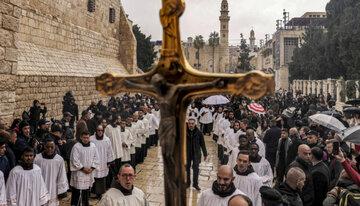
x=173 y=82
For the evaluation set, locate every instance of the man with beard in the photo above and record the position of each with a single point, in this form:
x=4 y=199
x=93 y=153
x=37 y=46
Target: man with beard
x=25 y=185
x=312 y=139
x=292 y=186
x=222 y=189
x=261 y=166
x=195 y=143
x=246 y=180
x=281 y=156
x=303 y=162
x=84 y=159
x=106 y=156
x=53 y=172
x=112 y=131
x=123 y=191
x=321 y=176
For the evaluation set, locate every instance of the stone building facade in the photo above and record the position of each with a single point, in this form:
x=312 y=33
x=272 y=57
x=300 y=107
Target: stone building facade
x=49 y=47
x=212 y=59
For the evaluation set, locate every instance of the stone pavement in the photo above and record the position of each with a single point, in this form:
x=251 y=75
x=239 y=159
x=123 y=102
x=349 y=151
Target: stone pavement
x=150 y=176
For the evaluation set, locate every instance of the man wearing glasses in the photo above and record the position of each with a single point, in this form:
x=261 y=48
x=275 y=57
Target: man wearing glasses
x=123 y=191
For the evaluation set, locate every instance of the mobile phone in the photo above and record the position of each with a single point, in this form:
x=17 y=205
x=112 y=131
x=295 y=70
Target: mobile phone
x=336 y=148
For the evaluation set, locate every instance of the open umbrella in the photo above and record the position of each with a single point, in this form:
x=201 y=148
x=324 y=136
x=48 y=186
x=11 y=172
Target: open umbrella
x=333 y=113
x=216 y=100
x=353 y=102
x=352 y=110
x=328 y=122
x=352 y=134
x=257 y=108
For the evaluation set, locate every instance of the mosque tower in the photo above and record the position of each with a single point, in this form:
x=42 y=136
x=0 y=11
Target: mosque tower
x=252 y=39
x=224 y=23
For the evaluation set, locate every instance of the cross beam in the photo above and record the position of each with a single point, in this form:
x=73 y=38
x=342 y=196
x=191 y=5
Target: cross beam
x=173 y=82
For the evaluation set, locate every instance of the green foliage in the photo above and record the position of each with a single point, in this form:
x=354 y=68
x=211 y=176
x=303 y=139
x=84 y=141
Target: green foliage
x=214 y=40
x=199 y=43
x=244 y=58
x=145 y=49
x=335 y=52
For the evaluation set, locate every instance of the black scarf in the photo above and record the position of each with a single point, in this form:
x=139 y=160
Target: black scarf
x=122 y=129
x=125 y=191
x=255 y=159
x=98 y=137
x=249 y=170
x=228 y=192
x=26 y=167
x=85 y=145
x=49 y=157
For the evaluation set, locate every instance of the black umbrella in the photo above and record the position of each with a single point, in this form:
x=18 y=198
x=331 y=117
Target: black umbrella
x=353 y=102
x=352 y=110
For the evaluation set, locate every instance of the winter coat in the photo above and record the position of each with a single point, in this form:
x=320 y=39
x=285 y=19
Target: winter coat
x=271 y=140
x=290 y=197
x=321 y=178
x=195 y=144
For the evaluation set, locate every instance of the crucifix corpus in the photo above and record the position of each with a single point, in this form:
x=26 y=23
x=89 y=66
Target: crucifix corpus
x=173 y=82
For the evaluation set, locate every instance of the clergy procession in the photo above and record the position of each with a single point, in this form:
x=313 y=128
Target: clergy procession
x=275 y=151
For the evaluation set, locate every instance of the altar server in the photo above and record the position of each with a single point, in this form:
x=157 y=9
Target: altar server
x=112 y=131
x=261 y=165
x=2 y=190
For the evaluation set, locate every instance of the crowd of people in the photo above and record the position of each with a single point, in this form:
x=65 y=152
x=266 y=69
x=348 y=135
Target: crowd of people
x=276 y=157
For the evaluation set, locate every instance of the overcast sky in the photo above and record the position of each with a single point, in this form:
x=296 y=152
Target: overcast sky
x=202 y=16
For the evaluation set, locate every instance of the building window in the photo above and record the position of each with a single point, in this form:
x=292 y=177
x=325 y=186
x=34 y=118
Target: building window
x=112 y=15
x=91 y=5
x=224 y=27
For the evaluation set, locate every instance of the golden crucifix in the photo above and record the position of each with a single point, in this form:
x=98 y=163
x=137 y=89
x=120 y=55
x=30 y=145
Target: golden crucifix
x=173 y=82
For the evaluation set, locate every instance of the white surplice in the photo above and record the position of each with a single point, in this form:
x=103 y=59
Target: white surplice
x=106 y=155
x=81 y=157
x=250 y=185
x=263 y=169
x=54 y=175
x=2 y=190
x=261 y=147
x=129 y=140
x=208 y=198
x=26 y=187
x=132 y=132
x=116 y=142
x=192 y=112
x=224 y=125
x=206 y=118
x=233 y=157
x=153 y=123
x=115 y=197
x=138 y=129
x=231 y=139
x=146 y=130
x=216 y=118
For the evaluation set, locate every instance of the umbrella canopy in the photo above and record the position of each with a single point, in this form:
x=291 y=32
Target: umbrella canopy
x=352 y=110
x=216 y=100
x=257 y=108
x=333 y=113
x=353 y=102
x=328 y=122
x=352 y=135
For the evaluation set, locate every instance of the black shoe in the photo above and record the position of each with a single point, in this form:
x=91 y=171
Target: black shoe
x=197 y=187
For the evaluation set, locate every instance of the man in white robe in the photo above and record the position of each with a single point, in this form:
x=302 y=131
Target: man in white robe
x=246 y=179
x=84 y=159
x=222 y=189
x=250 y=133
x=216 y=119
x=146 y=134
x=106 y=156
x=193 y=112
x=128 y=142
x=243 y=146
x=53 y=172
x=138 y=128
x=205 y=120
x=123 y=192
x=112 y=131
x=25 y=185
x=156 y=112
x=261 y=166
x=129 y=126
x=3 y=201
x=153 y=126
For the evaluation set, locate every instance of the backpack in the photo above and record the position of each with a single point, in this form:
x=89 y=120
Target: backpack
x=349 y=198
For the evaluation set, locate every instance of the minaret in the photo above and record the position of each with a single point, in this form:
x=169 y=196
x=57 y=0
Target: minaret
x=224 y=23
x=252 y=39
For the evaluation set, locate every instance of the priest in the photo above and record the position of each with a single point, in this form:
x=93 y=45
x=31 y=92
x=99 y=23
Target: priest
x=123 y=191
x=2 y=190
x=112 y=131
x=106 y=156
x=84 y=159
x=246 y=179
x=25 y=185
x=222 y=189
x=53 y=171
x=261 y=166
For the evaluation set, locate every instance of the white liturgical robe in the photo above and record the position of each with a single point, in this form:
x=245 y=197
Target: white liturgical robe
x=263 y=169
x=128 y=139
x=115 y=197
x=2 y=190
x=205 y=116
x=138 y=129
x=106 y=155
x=250 y=184
x=26 y=187
x=133 y=135
x=81 y=157
x=217 y=117
x=116 y=142
x=208 y=198
x=54 y=175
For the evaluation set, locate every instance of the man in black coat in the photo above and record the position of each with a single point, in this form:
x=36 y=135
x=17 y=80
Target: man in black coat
x=271 y=140
x=195 y=143
x=321 y=176
x=295 y=143
x=303 y=162
x=291 y=187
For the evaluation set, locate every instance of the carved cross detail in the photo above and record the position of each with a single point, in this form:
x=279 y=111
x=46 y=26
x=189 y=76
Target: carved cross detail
x=174 y=82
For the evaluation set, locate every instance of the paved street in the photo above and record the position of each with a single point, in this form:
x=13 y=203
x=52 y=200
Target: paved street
x=150 y=176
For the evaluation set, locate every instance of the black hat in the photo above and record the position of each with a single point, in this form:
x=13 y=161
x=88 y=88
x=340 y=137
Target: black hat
x=271 y=195
x=312 y=132
x=23 y=124
x=43 y=121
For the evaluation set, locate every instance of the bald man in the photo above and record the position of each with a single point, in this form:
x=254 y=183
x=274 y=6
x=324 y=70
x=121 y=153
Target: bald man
x=303 y=161
x=292 y=186
x=222 y=189
x=239 y=200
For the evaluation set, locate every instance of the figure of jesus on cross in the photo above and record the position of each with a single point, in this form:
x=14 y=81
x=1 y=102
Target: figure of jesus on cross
x=173 y=82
